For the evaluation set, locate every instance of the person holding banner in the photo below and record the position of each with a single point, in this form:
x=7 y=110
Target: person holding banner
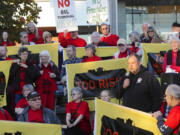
x=74 y=40
x=110 y=39
x=77 y=114
x=91 y=54
x=21 y=73
x=5 y=40
x=140 y=90
x=123 y=50
x=47 y=75
x=172 y=124
x=34 y=34
x=24 y=39
x=172 y=57
x=35 y=112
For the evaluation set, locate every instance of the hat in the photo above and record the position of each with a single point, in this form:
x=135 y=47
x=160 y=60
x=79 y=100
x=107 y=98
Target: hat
x=175 y=24
x=32 y=95
x=121 y=41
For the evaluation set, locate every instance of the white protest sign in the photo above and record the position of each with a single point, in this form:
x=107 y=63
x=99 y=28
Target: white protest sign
x=65 y=15
x=97 y=11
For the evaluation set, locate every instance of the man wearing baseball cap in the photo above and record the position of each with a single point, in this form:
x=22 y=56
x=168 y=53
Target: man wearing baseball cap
x=35 y=112
x=123 y=50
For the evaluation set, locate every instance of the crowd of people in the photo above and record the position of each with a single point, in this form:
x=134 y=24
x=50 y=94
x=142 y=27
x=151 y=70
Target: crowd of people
x=32 y=86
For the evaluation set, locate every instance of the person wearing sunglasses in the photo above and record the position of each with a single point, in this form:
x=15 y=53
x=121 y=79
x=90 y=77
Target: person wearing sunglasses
x=35 y=112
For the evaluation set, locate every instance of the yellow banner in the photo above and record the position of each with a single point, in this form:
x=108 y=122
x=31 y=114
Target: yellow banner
x=100 y=51
x=153 y=48
x=108 y=121
x=29 y=128
x=52 y=48
x=73 y=69
x=4 y=76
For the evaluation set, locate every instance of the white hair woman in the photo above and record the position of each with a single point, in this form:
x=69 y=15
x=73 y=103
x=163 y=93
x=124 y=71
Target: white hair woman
x=77 y=114
x=172 y=57
x=96 y=39
x=34 y=34
x=172 y=125
x=91 y=54
x=46 y=82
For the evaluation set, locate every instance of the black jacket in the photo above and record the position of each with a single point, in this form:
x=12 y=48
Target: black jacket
x=143 y=93
x=14 y=77
x=48 y=116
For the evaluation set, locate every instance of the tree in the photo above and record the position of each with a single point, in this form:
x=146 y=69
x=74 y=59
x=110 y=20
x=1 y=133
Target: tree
x=15 y=14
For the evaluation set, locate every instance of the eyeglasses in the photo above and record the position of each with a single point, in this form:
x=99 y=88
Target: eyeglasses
x=105 y=28
x=35 y=99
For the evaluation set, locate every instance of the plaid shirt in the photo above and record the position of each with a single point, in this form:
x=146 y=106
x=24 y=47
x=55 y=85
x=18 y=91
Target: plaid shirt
x=68 y=61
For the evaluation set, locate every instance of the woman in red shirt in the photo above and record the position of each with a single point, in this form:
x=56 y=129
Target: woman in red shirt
x=91 y=54
x=172 y=57
x=34 y=34
x=77 y=114
x=5 y=40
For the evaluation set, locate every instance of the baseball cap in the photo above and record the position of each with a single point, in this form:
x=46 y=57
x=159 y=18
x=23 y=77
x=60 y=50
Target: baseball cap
x=121 y=41
x=32 y=94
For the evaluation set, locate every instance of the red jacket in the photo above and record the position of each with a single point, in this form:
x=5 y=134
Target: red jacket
x=4 y=115
x=22 y=103
x=78 y=42
x=111 y=39
x=32 y=37
x=93 y=58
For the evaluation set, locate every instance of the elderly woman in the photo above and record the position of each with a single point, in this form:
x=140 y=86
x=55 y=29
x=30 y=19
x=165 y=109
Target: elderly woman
x=34 y=34
x=172 y=125
x=135 y=41
x=172 y=57
x=90 y=54
x=77 y=114
x=48 y=74
x=5 y=40
x=23 y=102
x=96 y=39
x=47 y=36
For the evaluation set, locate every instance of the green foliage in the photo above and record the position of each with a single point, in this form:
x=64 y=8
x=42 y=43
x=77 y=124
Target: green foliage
x=15 y=14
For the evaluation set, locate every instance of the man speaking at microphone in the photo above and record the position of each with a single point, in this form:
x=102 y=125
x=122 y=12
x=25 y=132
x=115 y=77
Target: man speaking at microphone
x=140 y=90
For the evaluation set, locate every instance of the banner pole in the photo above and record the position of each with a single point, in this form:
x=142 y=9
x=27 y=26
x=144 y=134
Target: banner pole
x=97 y=26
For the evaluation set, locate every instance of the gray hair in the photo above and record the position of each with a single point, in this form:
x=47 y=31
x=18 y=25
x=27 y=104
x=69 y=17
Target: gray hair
x=30 y=87
x=92 y=47
x=174 y=90
x=23 y=33
x=136 y=35
x=175 y=39
x=73 y=47
x=35 y=28
x=78 y=90
x=146 y=24
x=45 y=52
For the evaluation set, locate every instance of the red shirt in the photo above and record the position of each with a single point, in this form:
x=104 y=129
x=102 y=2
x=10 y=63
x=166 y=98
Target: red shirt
x=32 y=37
x=173 y=66
x=133 y=49
x=90 y=59
x=78 y=42
x=122 y=55
x=5 y=115
x=111 y=39
x=61 y=36
x=35 y=116
x=84 y=124
x=22 y=103
x=4 y=43
x=45 y=84
x=173 y=118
